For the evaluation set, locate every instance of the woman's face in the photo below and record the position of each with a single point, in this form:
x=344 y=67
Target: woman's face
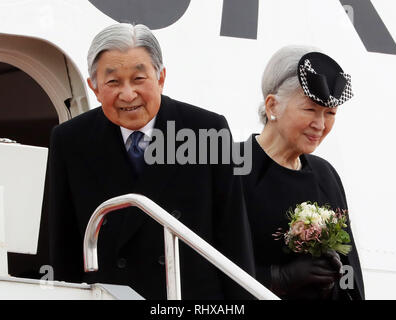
x=304 y=124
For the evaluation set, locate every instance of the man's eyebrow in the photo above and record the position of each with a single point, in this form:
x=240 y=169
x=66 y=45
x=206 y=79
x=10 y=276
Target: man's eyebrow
x=109 y=71
x=140 y=67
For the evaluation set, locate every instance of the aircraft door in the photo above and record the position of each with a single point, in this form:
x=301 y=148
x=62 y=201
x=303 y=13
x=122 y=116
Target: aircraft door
x=40 y=87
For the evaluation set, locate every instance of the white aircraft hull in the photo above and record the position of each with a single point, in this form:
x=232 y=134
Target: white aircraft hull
x=221 y=71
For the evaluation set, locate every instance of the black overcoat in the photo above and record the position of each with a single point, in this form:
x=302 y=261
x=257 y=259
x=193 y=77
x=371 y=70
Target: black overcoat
x=271 y=190
x=88 y=164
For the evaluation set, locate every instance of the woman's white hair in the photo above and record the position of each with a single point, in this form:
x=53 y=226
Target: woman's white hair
x=280 y=75
x=122 y=37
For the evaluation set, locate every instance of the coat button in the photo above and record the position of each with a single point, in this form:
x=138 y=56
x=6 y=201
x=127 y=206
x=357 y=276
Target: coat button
x=176 y=213
x=161 y=260
x=121 y=263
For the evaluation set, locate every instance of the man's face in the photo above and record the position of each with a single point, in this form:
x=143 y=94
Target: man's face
x=128 y=87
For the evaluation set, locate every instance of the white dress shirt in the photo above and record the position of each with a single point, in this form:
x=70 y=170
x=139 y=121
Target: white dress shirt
x=144 y=142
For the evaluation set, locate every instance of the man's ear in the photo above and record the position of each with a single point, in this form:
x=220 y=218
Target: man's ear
x=161 y=80
x=90 y=84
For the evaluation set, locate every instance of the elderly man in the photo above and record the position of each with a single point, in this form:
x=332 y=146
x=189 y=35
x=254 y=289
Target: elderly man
x=98 y=155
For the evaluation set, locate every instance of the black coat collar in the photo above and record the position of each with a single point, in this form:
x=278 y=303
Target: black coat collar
x=110 y=163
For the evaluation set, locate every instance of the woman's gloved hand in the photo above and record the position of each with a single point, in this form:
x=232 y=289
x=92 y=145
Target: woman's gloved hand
x=334 y=258
x=306 y=272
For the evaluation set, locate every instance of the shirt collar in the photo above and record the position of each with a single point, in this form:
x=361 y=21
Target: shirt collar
x=147 y=130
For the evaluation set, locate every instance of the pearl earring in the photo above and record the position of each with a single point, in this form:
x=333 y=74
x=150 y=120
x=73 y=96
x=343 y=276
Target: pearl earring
x=272 y=117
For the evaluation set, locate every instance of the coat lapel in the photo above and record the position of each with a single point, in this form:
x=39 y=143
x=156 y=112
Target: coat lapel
x=106 y=157
x=155 y=177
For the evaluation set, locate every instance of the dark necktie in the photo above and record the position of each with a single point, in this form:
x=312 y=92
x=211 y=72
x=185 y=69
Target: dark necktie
x=136 y=154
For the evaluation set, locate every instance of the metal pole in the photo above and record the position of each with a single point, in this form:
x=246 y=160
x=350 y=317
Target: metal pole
x=173 y=286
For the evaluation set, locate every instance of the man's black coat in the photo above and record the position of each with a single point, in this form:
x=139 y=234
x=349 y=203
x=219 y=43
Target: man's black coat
x=88 y=164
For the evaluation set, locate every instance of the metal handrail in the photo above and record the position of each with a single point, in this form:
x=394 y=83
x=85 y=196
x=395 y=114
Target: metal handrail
x=173 y=229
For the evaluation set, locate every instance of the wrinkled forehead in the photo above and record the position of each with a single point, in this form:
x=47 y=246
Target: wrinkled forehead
x=112 y=69
x=136 y=59
x=121 y=50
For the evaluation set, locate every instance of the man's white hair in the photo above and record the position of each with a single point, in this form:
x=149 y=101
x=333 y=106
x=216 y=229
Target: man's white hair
x=122 y=37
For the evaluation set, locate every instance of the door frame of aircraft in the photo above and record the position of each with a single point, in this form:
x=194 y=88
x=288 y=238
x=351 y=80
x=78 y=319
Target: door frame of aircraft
x=51 y=69
x=55 y=72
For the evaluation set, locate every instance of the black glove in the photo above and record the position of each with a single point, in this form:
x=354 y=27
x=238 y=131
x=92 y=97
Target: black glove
x=332 y=290
x=305 y=275
x=334 y=258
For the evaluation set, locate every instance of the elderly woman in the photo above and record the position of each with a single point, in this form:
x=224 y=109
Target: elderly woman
x=302 y=90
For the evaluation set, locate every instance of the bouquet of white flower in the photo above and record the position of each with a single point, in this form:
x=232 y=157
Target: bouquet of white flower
x=315 y=230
